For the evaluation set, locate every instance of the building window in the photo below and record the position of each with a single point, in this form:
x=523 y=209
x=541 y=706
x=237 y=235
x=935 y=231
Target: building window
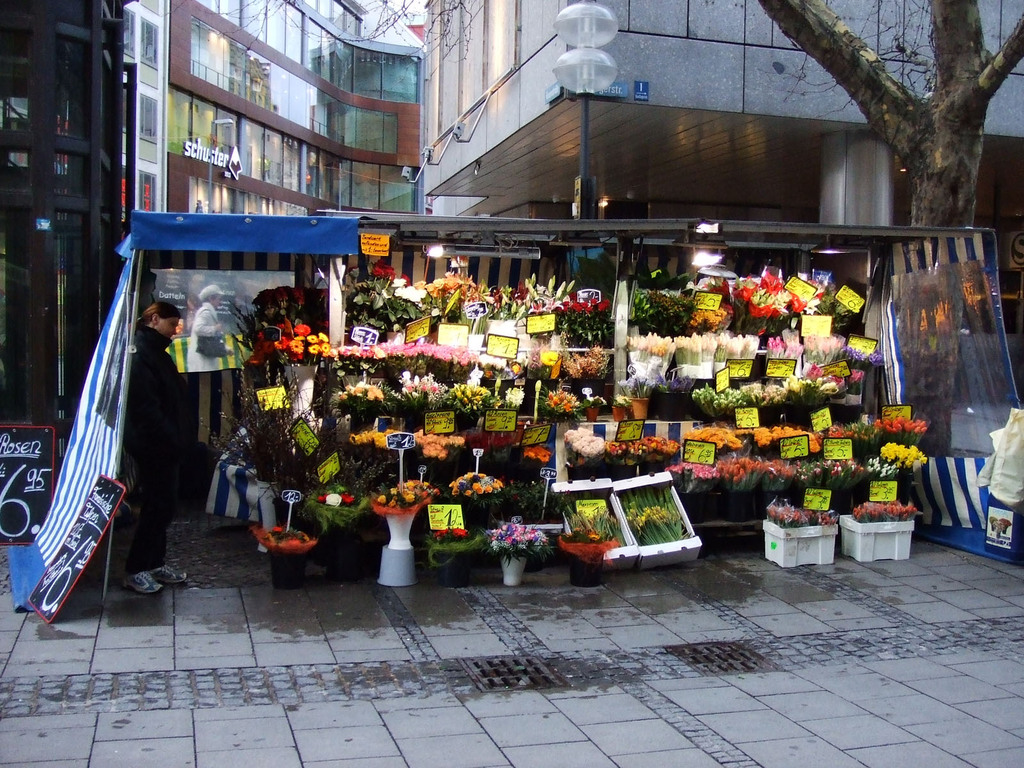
x=129 y=33
x=147 y=191
x=72 y=97
x=148 y=43
x=147 y=118
x=14 y=69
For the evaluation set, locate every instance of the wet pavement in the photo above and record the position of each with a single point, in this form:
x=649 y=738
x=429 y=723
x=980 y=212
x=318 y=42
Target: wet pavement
x=727 y=660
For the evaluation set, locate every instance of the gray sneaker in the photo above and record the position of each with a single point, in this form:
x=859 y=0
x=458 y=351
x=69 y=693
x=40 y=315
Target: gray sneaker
x=142 y=582
x=167 y=575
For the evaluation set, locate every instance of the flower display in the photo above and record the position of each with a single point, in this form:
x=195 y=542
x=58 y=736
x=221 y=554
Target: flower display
x=900 y=430
x=558 y=405
x=822 y=350
x=760 y=304
x=879 y=469
x=584 y=323
x=536 y=454
x=445 y=296
x=622 y=453
x=778 y=475
x=371 y=438
x=659 y=448
x=382 y=300
x=834 y=474
x=696 y=349
x=654 y=310
x=334 y=507
x=515 y=540
x=650 y=354
x=787 y=346
x=417 y=394
x=902 y=456
x=814 y=388
x=514 y=397
x=474 y=484
x=740 y=473
x=652 y=515
x=591 y=533
x=736 y=347
x=592 y=364
x=694 y=478
x=638 y=386
x=543 y=363
x=406 y=499
x=447 y=543
x=419 y=359
x=283 y=541
x=469 y=400
x=883 y=512
x=725 y=439
x=362 y=402
x=438 y=447
x=719 y=404
x=767 y=438
x=788 y=516
x=583 y=448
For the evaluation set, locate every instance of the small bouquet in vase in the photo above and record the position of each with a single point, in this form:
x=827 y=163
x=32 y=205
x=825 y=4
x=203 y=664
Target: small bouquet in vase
x=514 y=540
x=405 y=499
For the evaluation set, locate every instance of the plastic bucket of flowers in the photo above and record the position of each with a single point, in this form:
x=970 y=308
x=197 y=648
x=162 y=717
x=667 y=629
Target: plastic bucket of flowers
x=878 y=531
x=288 y=548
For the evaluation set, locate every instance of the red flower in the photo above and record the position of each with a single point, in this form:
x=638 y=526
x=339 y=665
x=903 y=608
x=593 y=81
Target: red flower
x=303 y=330
x=347 y=498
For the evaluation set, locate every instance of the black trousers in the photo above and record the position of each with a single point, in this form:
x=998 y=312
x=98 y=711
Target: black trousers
x=158 y=481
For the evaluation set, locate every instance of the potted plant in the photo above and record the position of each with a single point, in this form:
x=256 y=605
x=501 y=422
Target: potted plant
x=450 y=552
x=382 y=300
x=514 y=544
x=638 y=388
x=878 y=531
x=592 y=406
x=287 y=547
x=335 y=514
x=622 y=405
x=398 y=505
x=588 y=536
x=797 y=536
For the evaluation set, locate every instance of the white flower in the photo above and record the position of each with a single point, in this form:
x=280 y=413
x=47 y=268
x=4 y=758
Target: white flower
x=514 y=397
x=333 y=500
x=410 y=293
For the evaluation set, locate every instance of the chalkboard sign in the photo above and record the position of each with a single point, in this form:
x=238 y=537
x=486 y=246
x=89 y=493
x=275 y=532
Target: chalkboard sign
x=74 y=554
x=26 y=481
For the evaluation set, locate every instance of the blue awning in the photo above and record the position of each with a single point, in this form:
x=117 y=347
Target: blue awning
x=318 y=235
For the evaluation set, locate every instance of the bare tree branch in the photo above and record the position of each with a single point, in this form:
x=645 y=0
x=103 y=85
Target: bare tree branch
x=1008 y=57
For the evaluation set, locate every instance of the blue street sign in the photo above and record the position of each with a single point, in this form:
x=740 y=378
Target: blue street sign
x=641 y=90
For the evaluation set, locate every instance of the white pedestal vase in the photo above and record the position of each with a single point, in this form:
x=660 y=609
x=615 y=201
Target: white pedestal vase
x=397 y=559
x=263 y=495
x=301 y=380
x=512 y=571
x=867 y=542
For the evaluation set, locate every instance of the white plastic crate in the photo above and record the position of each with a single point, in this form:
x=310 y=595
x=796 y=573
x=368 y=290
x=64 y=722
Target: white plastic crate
x=867 y=542
x=653 y=555
x=808 y=545
x=622 y=557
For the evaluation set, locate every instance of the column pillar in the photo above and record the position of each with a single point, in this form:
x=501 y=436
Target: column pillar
x=856 y=179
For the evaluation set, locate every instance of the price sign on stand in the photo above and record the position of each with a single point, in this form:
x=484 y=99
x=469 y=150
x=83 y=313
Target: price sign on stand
x=304 y=437
x=629 y=430
x=417 y=329
x=328 y=468
x=840 y=369
x=588 y=294
x=506 y=347
x=818 y=499
x=897 y=412
x=26 y=481
x=740 y=369
x=699 y=452
x=821 y=419
x=748 y=418
x=547 y=474
x=364 y=336
x=816 y=325
x=882 y=490
x=708 y=301
x=291 y=498
x=500 y=420
x=779 y=368
x=422 y=469
x=837 y=448
x=536 y=434
x=794 y=447
x=272 y=398
x=439 y=422
x=543 y=323
x=477 y=453
x=801 y=288
x=475 y=310
x=401 y=442
x=445 y=516
x=849 y=298
x=722 y=380
x=453 y=335
x=862 y=344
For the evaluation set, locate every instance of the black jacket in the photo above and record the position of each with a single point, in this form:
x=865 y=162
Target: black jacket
x=159 y=419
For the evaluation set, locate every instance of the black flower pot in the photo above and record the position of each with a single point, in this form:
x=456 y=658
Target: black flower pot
x=622 y=471
x=287 y=571
x=739 y=506
x=453 y=571
x=342 y=554
x=584 y=573
x=671 y=406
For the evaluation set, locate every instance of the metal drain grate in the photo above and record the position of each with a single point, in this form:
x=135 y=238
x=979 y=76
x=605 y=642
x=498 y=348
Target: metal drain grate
x=511 y=672
x=721 y=658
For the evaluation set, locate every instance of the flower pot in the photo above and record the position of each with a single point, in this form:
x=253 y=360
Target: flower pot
x=621 y=471
x=512 y=571
x=619 y=412
x=640 y=406
x=593 y=413
x=586 y=471
x=342 y=553
x=867 y=542
x=302 y=379
x=453 y=571
x=287 y=571
x=583 y=573
x=739 y=506
x=671 y=406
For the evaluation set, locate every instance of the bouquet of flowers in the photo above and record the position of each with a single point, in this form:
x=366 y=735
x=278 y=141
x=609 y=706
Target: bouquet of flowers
x=592 y=364
x=814 y=388
x=696 y=349
x=736 y=347
x=469 y=400
x=638 y=386
x=406 y=499
x=860 y=361
x=900 y=430
x=767 y=438
x=787 y=346
x=382 y=300
x=583 y=448
x=821 y=350
x=419 y=359
x=867 y=441
x=584 y=323
x=652 y=515
x=659 y=448
x=543 y=364
x=778 y=475
x=514 y=540
x=514 y=397
x=650 y=354
x=446 y=295
x=299 y=319
x=788 y=516
x=620 y=453
x=725 y=439
x=416 y=395
x=694 y=478
x=834 y=474
x=719 y=404
x=654 y=310
x=442 y=545
x=879 y=469
x=281 y=540
x=558 y=405
x=334 y=507
x=438 y=447
x=474 y=485
x=904 y=457
x=678 y=384
x=760 y=304
x=362 y=403
x=590 y=534
x=740 y=473
x=883 y=512
x=371 y=438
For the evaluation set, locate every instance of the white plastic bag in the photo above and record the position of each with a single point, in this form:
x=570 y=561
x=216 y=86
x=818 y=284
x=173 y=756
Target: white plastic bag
x=1003 y=472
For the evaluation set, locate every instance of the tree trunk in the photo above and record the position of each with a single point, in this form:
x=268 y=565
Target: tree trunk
x=944 y=176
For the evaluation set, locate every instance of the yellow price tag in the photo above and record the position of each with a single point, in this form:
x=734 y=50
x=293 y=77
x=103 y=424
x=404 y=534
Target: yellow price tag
x=862 y=343
x=537 y=434
x=445 y=516
x=794 y=447
x=722 y=380
x=591 y=507
x=699 y=452
x=708 y=300
x=453 y=335
x=748 y=418
x=544 y=323
x=740 y=369
x=897 y=412
x=849 y=298
x=328 y=468
x=821 y=419
x=818 y=499
x=439 y=422
x=272 y=398
x=840 y=369
x=500 y=420
x=305 y=437
x=882 y=490
x=506 y=347
x=629 y=430
x=816 y=325
x=417 y=329
x=801 y=288
x=838 y=448
x=374 y=244
x=780 y=368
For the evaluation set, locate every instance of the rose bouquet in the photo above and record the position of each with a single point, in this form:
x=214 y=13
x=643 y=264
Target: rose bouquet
x=514 y=540
x=438 y=447
x=583 y=448
x=788 y=516
x=883 y=512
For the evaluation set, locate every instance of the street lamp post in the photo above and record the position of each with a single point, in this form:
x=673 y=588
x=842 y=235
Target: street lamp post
x=214 y=145
x=585 y=70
